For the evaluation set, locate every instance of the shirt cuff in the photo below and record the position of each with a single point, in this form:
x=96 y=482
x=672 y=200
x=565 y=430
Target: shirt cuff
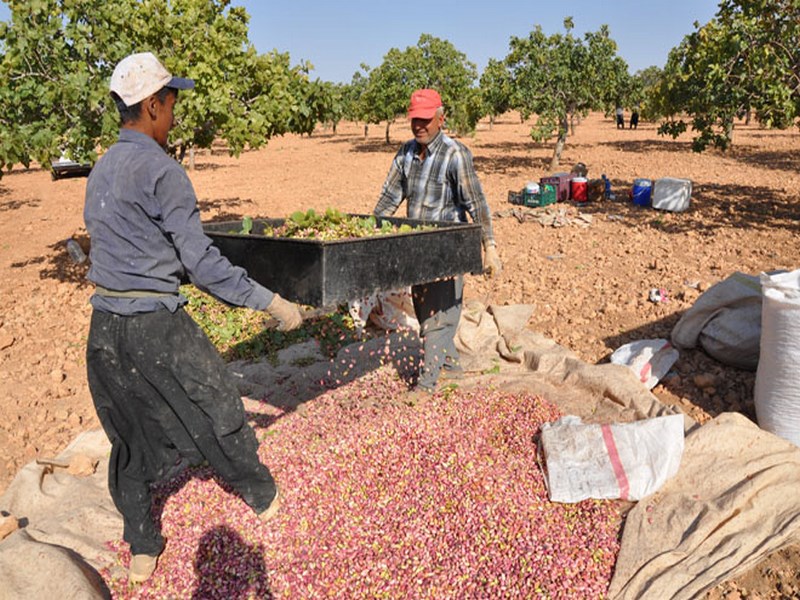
x=260 y=298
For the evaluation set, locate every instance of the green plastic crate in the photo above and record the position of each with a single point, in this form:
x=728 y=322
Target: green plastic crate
x=545 y=196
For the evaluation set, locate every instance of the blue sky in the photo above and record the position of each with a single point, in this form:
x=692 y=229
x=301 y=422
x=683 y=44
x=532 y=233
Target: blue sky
x=337 y=36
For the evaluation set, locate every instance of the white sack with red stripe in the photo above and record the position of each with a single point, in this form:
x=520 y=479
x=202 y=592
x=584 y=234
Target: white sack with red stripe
x=621 y=460
x=649 y=360
x=777 y=389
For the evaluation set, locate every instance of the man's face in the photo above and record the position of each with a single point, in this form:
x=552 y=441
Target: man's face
x=425 y=130
x=165 y=118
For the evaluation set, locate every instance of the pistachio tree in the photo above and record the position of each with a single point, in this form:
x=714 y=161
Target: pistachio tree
x=58 y=55
x=745 y=59
x=334 y=106
x=559 y=77
x=57 y=58
x=388 y=88
x=705 y=82
x=642 y=83
x=355 y=106
x=496 y=89
x=446 y=69
x=432 y=63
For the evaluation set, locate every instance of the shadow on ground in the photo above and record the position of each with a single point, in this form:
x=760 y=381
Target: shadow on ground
x=58 y=264
x=217 y=205
x=712 y=207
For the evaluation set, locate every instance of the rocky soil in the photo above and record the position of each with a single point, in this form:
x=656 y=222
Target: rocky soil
x=587 y=270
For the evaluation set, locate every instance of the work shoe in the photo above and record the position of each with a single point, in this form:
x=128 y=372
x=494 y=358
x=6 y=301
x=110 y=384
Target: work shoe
x=142 y=567
x=273 y=508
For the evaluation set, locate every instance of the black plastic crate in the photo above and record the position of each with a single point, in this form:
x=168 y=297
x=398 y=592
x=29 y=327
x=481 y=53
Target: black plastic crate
x=328 y=273
x=66 y=169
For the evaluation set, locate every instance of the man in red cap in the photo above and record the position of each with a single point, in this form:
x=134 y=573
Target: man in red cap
x=435 y=175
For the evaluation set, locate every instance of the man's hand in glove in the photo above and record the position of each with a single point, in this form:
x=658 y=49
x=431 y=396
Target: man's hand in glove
x=288 y=313
x=492 y=263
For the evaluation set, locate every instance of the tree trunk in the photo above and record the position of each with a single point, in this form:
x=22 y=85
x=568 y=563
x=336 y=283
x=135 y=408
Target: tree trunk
x=562 y=140
x=366 y=129
x=491 y=122
x=191 y=158
x=180 y=151
x=334 y=127
x=729 y=130
x=388 y=124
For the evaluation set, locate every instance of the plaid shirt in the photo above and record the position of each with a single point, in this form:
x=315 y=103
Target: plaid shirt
x=443 y=187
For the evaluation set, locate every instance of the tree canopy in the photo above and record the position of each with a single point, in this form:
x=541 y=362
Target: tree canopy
x=57 y=57
x=560 y=76
x=432 y=63
x=496 y=88
x=746 y=59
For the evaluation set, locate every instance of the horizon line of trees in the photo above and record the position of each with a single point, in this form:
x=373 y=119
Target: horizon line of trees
x=56 y=57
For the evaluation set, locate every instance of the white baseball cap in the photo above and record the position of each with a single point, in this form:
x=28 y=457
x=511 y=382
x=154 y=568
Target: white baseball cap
x=139 y=75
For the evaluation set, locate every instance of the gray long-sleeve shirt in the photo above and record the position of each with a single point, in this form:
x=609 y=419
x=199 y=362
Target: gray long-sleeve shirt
x=142 y=217
x=443 y=187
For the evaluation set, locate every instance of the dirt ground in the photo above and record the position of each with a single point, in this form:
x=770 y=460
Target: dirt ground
x=589 y=282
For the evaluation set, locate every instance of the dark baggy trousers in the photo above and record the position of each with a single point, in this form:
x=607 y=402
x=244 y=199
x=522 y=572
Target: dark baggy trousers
x=438 y=309
x=162 y=393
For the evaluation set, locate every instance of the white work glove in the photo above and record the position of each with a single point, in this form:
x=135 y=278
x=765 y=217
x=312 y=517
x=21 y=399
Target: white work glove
x=288 y=313
x=492 y=265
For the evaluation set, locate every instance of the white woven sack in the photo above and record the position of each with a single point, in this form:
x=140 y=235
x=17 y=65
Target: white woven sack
x=777 y=389
x=649 y=360
x=390 y=310
x=621 y=460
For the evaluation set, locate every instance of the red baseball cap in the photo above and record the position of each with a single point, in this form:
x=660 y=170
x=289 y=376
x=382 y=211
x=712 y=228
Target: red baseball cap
x=424 y=104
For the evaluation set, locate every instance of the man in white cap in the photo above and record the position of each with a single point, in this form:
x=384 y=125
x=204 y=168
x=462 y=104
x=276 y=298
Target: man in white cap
x=435 y=175
x=160 y=388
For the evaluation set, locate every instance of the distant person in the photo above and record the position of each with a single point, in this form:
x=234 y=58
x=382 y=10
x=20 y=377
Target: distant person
x=635 y=118
x=620 y=118
x=160 y=388
x=435 y=175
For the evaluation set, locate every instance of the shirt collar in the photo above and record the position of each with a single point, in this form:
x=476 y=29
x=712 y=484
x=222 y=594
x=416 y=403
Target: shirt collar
x=434 y=144
x=131 y=135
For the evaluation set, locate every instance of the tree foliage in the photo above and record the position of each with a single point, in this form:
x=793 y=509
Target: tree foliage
x=333 y=107
x=54 y=61
x=388 y=87
x=496 y=89
x=559 y=77
x=746 y=59
x=432 y=63
x=446 y=69
x=642 y=84
x=58 y=55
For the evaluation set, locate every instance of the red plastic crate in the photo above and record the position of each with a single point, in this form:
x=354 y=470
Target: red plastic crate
x=561 y=182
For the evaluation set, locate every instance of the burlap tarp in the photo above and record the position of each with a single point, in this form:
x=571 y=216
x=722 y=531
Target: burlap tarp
x=732 y=502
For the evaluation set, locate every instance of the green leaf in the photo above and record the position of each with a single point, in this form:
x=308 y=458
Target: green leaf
x=247 y=226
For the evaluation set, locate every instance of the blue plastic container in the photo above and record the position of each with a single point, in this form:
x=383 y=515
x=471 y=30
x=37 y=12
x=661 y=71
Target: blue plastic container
x=641 y=192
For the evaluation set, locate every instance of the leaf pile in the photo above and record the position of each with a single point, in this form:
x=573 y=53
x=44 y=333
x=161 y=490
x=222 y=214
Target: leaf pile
x=333 y=225
x=240 y=334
